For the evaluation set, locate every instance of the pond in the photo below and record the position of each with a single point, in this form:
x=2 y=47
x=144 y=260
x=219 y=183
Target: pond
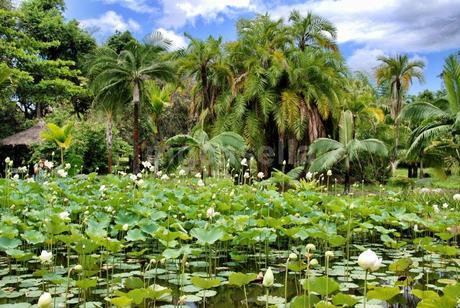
x=177 y=244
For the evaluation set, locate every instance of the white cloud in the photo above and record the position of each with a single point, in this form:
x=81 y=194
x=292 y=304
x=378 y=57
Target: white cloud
x=390 y=25
x=177 y=41
x=177 y=13
x=365 y=60
x=108 y=23
x=140 y=6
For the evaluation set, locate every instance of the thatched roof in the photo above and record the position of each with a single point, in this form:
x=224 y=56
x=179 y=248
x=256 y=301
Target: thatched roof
x=26 y=137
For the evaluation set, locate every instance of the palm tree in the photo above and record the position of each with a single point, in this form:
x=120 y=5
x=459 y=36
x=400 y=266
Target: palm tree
x=204 y=62
x=440 y=119
x=312 y=30
x=128 y=73
x=157 y=99
x=62 y=136
x=330 y=152
x=205 y=152
x=398 y=72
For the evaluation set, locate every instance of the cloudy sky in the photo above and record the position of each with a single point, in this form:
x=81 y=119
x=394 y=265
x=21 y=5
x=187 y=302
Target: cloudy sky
x=425 y=29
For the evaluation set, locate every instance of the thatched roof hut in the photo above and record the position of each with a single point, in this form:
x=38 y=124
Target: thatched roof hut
x=25 y=138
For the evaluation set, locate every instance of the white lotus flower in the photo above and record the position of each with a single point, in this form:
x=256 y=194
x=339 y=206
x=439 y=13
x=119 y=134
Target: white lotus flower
x=46 y=257
x=22 y=169
x=78 y=268
x=247 y=175
x=198 y=175
x=45 y=300
x=456 y=197
x=310 y=247
x=244 y=162
x=309 y=176
x=133 y=177
x=445 y=205
x=269 y=279
x=200 y=183
x=369 y=261
x=146 y=164
x=62 y=173
x=164 y=177
x=329 y=254
x=182 y=172
x=16 y=177
x=415 y=228
x=48 y=164
x=67 y=166
x=7 y=160
x=292 y=256
x=102 y=188
x=64 y=215
x=313 y=262
x=329 y=173
x=284 y=163
x=260 y=175
x=125 y=227
x=211 y=213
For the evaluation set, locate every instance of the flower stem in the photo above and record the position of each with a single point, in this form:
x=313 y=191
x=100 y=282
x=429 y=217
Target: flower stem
x=266 y=298
x=365 y=289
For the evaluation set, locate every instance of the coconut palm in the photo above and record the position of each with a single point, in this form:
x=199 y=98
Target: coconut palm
x=439 y=119
x=398 y=72
x=128 y=73
x=330 y=152
x=205 y=152
x=62 y=136
x=157 y=99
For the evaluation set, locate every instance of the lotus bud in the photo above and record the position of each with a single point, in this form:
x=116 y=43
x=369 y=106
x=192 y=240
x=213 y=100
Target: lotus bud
x=45 y=300
x=292 y=256
x=269 y=279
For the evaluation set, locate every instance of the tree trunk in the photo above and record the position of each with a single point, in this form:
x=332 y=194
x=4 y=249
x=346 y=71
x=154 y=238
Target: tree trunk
x=316 y=128
x=39 y=110
x=420 y=175
x=347 y=177
x=136 y=103
x=109 y=139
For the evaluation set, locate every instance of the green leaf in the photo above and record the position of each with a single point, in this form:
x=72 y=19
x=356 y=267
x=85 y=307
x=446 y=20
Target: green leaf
x=209 y=236
x=134 y=283
x=383 y=293
x=33 y=237
x=297 y=266
x=320 y=284
x=241 y=279
x=135 y=235
x=302 y=301
x=401 y=265
x=205 y=283
x=341 y=299
x=86 y=283
x=337 y=240
x=424 y=294
x=452 y=291
x=122 y=301
x=9 y=243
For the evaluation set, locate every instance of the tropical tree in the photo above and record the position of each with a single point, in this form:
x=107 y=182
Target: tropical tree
x=330 y=152
x=204 y=62
x=312 y=31
x=62 y=136
x=157 y=99
x=438 y=120
x=397 y=73
x=128 y=73
x=204 y=152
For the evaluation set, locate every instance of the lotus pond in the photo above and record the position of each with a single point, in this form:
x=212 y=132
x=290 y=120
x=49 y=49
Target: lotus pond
x=93 y=241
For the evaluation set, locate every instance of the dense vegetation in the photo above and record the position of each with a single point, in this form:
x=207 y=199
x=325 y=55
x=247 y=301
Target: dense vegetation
x=259 y=171
x=281 y=86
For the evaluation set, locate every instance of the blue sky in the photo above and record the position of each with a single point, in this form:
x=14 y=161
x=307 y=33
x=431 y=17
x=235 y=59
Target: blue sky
x=425 y=29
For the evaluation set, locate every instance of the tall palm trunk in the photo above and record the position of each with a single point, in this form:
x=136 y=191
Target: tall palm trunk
x=396 y=112
x=347 y=176
x=109 y=140
x=136 y=103
x=316 y=128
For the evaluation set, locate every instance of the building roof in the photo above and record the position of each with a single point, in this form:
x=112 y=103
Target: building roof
x=26 y=137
